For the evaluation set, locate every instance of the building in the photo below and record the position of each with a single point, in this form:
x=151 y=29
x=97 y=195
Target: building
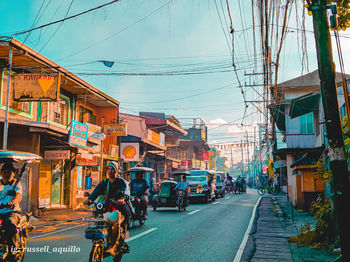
x=69 y=166
x=151 y=135
x=300 y=117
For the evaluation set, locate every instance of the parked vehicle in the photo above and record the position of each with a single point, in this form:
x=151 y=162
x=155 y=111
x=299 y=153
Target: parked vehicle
x=208 y=184
x=166 y=196
x=100 y=232
x=220 y=184
x=16 y=252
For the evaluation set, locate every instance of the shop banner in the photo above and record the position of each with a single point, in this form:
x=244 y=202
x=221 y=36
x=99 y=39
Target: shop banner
x=130 y=151
x=95 y=132
x=78 y=134
x=115 y=129
x=36 y=87
x=158 y=138
x=57 y=154
x=114 y=151
x=81 y=161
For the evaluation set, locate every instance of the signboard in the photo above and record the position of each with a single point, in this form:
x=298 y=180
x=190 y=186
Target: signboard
x=36 y=87
x=158 y=138
x=79 y=177
x=56 y=154
x=44 y=183
x=78 y=134
x=95 y=132
x=94 y=177
x=114 y=151
x=81 y=161
x=115 y=129
x=130 y=151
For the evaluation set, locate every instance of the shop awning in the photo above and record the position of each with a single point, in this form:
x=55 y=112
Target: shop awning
x=278 y=114
x=308 y=159
x=305 y=104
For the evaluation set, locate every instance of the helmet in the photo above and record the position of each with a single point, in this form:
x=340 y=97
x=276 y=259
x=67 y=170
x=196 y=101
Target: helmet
x=114 y=164
x=8 y=167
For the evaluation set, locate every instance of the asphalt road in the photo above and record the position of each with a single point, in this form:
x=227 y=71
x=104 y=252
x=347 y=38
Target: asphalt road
x=205 y=232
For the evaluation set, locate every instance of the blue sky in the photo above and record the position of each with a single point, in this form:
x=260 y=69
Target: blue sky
x=159 y=36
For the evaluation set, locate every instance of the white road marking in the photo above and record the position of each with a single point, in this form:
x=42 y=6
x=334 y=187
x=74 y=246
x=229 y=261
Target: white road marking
x=246 y=235
x=193 y=212
x=216 y=203
x=56 y=231
x=141 y=234
x=227 y=197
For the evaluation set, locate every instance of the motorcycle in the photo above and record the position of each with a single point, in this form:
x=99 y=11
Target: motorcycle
x=100 y=232
x=14 y=251
x=137 y=214
x=181 y=203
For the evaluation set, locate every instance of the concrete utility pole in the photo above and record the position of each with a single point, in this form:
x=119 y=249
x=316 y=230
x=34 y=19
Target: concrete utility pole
x=338 y=164
x=6 y=122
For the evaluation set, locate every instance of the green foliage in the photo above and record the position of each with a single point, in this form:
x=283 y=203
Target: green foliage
x=321 y=171
x=323 y=235
x=343 y=12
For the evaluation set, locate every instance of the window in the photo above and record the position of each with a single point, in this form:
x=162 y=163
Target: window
x=56 y=112
x=307 y=123
x=21 y=107
x=86 y=116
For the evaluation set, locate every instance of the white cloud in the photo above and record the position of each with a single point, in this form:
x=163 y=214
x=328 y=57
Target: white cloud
x=217 y=122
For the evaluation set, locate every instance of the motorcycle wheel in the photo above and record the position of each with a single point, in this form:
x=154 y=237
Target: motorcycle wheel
x=96 y=254
x=141 y=221
x=118 y=258
x=261 y=191
x=131 y=223
x=23 y=244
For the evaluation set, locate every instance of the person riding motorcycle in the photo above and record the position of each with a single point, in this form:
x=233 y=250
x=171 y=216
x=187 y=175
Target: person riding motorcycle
x=113 y=189
x=140 y=187
x=11 y=197
x=183 y=185
x=239 y=183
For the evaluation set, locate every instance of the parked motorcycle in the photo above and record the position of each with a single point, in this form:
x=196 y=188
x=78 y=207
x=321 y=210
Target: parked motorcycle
x=14 y=251
x=100 y=232
x=136 y=211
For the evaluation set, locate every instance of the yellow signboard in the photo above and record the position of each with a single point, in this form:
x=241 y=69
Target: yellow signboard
x=115 y=129
x=45 y=183
x=36 y=87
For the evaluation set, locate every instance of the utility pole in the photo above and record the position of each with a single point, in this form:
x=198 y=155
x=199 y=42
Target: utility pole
x=6 y=122
x=338 y=165
x=242 y=166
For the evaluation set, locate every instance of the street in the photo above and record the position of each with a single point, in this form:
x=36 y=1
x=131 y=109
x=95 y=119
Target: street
x=205 y=232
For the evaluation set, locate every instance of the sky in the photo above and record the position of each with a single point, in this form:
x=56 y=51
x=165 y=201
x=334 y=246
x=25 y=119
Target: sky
x=171 y=56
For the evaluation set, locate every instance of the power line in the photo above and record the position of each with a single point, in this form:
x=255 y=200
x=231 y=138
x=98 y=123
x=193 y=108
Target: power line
x=62 y=20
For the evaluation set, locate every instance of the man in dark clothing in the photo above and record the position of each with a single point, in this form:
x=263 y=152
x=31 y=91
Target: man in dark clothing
x=113 y=191
x=140 y=187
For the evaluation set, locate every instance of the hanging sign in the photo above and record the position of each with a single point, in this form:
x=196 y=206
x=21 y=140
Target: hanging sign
x=115 y=129
x=78 y=134
x=130 y=151
x=56 y=154
x=36 y=87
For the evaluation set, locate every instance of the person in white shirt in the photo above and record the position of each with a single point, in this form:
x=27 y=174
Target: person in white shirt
x=10 y=198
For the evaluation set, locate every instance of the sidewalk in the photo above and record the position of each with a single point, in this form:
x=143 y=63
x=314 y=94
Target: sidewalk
x=52 y=217
x=268 y=240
